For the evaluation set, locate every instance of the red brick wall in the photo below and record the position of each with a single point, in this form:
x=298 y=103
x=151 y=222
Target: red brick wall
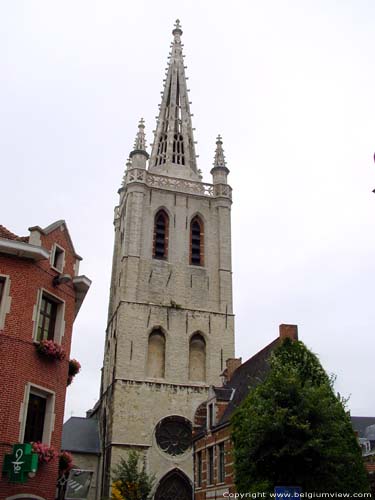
x=213 y=439
x=20 y=363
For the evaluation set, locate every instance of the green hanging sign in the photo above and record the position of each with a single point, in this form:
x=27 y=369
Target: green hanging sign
x=18 y=464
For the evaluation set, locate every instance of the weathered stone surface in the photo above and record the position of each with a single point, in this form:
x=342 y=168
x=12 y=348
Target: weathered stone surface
x=180 y=300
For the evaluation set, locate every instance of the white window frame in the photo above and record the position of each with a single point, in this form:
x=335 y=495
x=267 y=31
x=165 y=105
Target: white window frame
x=5 y=300
x=60 y=315
x=59 y=268
x=49 y=418
x=211 y=422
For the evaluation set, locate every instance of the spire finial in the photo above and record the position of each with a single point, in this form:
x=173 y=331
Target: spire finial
x=140 y=140
x=219 y=160
x=177 y=32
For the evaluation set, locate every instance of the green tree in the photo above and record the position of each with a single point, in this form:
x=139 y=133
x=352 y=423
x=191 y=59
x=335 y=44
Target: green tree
x=131 y=481
x=293 y=430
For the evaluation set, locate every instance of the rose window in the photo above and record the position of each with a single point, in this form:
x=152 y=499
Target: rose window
x=173 y=435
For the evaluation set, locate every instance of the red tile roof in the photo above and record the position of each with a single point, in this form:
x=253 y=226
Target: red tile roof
x=5 y=233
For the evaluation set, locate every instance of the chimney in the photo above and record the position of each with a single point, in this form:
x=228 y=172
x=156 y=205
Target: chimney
x=232 y=365
x=288 y=331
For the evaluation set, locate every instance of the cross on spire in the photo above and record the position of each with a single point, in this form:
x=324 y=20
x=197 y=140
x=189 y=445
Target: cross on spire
x=174 y=141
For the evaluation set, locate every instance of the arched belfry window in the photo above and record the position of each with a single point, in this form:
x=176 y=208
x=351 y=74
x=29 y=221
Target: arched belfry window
x=178 y=150
x=197 y=241
x=197 y=358
x=156 y=355
x=161 y=229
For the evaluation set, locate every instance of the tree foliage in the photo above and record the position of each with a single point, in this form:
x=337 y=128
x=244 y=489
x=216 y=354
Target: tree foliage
x=131 y=481
x=293 y=430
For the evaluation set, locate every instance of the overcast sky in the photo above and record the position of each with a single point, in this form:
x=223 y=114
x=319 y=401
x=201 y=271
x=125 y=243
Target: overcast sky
x=290 y=85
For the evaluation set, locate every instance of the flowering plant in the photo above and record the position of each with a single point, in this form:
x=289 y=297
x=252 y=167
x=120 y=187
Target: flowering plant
x=45 y=453
x=65 y=462
x=74 y=368
x=51 y=349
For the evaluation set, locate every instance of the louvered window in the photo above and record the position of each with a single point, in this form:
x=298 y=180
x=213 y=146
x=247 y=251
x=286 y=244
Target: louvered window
x=196 y=242
x=161 y=227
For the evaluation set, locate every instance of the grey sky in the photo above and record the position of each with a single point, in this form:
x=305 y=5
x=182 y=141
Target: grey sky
x=289 y=85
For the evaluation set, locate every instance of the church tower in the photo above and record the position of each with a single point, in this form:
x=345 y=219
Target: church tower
x=170 y=320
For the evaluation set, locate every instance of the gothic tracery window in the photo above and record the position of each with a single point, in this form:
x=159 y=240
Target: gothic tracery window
x=197 y=241
x=174 y=486
x=162 y=150
x=174 y=435
x=161 y=229
x=178 y=149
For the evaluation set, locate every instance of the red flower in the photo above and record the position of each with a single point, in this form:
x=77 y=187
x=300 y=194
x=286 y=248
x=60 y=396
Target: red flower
x=51 y=349
x=45 y=453
x=65 y=462
x=74 y=368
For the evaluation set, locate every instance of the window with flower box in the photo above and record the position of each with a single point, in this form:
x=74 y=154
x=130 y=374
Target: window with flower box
x=36 y=412
x=38 y=416
x=49 y=321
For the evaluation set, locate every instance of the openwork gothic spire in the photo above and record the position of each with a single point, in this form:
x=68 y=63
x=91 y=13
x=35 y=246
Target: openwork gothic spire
x=174 y=142
x=219 y=160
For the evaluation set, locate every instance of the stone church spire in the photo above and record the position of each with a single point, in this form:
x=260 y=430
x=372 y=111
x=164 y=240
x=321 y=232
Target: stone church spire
x=173 y=151
x=170 y=317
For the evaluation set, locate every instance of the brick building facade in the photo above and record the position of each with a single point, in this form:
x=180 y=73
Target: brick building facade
x=212 y=446
x=41 y=292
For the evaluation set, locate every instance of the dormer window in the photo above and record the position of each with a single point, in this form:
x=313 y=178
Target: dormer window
x=210 y=415
x=58 y=258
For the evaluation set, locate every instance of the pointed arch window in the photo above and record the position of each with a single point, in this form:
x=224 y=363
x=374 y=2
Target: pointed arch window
x=161 y=230
x=174 y=485
x=197 y=241
x=162 y=150
x=156 y=354
x=197 y=358
x=178 y=150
